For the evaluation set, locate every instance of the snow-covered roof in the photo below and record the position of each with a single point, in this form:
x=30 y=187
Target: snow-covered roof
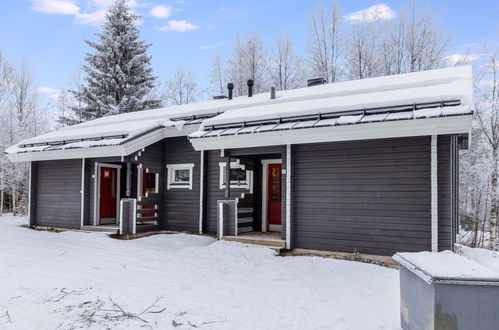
x=422 y=94
x=428 y=94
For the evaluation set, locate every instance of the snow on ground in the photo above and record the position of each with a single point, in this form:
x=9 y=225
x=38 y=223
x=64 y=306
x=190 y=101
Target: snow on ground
x=486 y=258
x=67 y=280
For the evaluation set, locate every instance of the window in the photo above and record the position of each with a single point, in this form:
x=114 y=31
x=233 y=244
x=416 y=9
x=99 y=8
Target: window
x=179 y=176
x=240 y=178
x=150 y=182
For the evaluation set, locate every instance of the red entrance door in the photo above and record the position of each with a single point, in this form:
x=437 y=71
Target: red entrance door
x=274 y=195
x=108 y=195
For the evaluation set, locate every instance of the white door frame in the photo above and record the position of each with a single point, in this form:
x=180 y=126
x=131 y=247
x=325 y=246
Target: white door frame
x=98 y=167
x=265 y=163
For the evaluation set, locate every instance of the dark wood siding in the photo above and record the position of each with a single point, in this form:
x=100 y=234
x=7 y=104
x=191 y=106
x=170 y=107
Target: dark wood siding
x=181 y=206
x=58 y=199
x=445 y=235
x=367 y=196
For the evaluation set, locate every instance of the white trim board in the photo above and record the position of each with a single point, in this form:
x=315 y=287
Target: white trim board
x=265 y=163
x=365 y=131
x=201 y=192
x=82 y=192
x=288 y=196
x=434 y=193
x=30 y=198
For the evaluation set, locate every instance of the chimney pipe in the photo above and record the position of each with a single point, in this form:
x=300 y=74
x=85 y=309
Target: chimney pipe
x=272 y=93
x=250 y=87
x=230 y=87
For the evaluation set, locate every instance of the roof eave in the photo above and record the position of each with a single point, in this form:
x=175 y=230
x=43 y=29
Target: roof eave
x=364 y=131
x=125 y=149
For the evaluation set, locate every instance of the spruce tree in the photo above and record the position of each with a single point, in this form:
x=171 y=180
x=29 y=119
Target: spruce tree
x=118 y=74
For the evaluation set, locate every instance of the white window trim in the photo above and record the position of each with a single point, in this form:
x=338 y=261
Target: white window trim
x=171 y=168
x=434 y=193
x=248 y=184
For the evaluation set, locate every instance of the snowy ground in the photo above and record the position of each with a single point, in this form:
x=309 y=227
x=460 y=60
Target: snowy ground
x=67 y=280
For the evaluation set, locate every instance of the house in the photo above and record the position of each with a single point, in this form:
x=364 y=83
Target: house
x=368 y=166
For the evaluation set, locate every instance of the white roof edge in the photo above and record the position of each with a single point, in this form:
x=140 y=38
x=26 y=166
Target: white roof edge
x=364 y=131
x=124 y=149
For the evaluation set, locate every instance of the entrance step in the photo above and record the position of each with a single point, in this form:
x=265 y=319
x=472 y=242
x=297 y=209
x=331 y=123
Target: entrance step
x=102 y=228
x=273 y=243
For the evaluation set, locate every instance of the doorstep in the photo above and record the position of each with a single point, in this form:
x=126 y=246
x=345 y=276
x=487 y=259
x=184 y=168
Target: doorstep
x=112 y=229
x=258 y=240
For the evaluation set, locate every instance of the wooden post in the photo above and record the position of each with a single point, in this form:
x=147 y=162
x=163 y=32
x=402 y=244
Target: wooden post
x=227 y=176
x=128 y=179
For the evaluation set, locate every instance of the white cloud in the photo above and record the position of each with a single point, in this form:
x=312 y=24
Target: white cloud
x=212 y=46
x=161 y=11
x=379 y=12
x=63 y=7
x=462 y=58
x=94 y=13
x=92 y=18
x=179 y=26
x=52 y=93
x=47 y=90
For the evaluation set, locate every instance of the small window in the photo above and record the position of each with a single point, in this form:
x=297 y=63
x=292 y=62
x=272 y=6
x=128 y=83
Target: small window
x=150 y=182
x=240 y=178
x=179 y=176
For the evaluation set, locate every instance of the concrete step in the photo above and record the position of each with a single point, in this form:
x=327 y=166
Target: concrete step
x=103 y=229
x=274 y=243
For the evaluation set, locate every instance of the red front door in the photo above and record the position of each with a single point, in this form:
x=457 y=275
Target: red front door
x=274 y=195
x=108 y=194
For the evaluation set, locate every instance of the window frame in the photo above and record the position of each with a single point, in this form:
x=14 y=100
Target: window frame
x=142 y=181
x=171 y=183
x=247 y=184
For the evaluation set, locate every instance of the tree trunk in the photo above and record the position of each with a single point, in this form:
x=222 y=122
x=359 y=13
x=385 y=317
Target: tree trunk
x=2 y=187
x=14 y=204
x=493 y=199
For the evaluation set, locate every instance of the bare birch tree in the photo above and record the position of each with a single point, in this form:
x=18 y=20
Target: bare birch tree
x=285 y=69
x=325 y=42
x=363 y=59
x=487 y=106
x=20 y=119
x=248 y=61
x=235 y=68
x=70 y=102
x=425 y=44
x=217 y=75
x=6 y=71
x=181 y=88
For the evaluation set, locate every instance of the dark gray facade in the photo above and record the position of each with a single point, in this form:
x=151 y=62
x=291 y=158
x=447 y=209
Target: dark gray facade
x=181 y=206
x=371 y=196
x=55 y=193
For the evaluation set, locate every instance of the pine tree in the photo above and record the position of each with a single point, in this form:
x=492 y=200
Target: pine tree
x=118 y=75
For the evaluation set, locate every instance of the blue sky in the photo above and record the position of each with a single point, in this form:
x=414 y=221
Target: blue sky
x=48 y=34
